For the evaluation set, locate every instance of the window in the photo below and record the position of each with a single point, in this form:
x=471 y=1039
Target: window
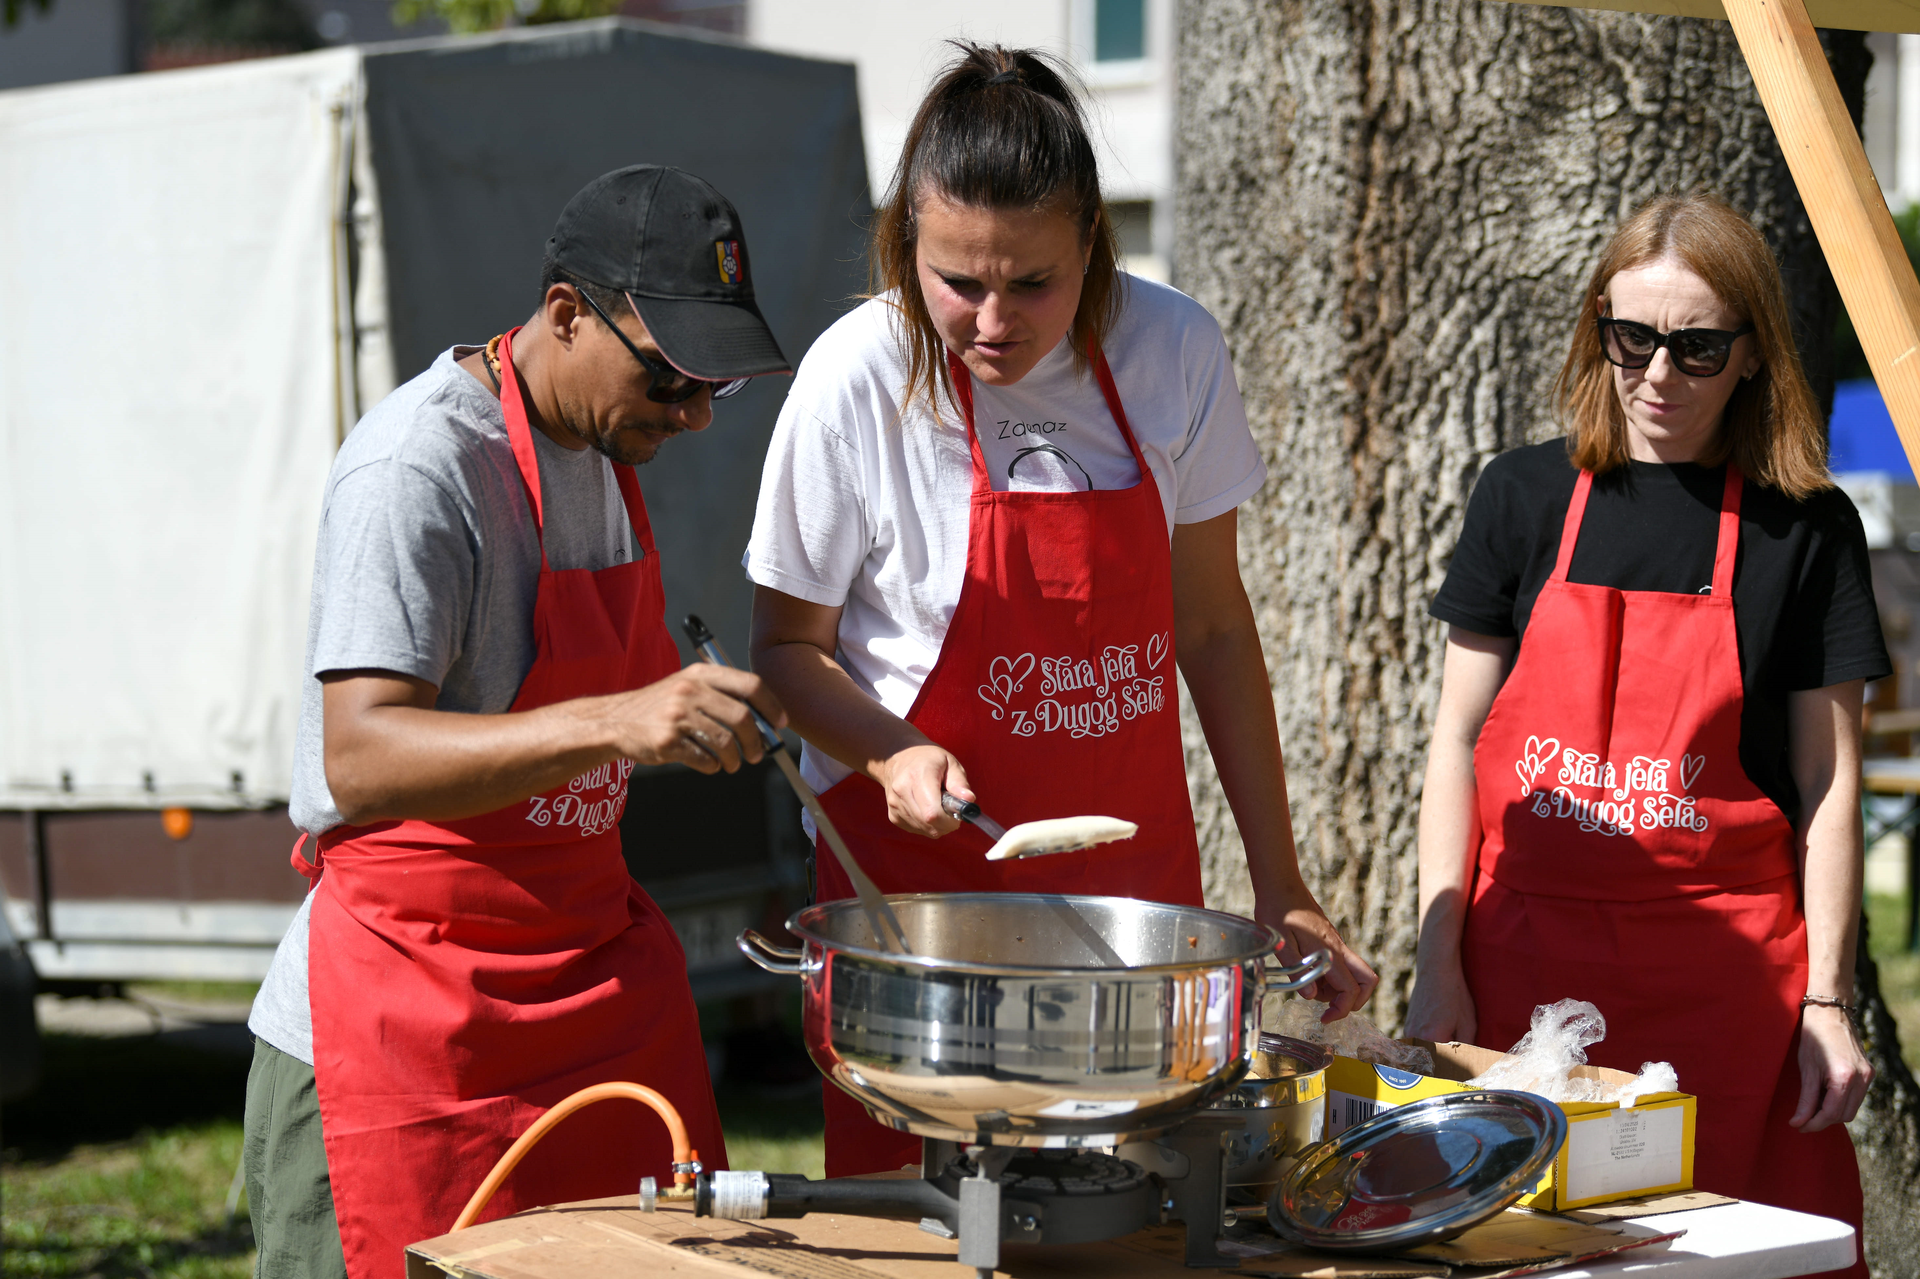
x=1132 y=226
x=1119 y=30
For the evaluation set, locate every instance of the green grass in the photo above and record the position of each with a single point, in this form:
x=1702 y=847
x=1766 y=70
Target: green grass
x=149 y=1207
x=774 y=1135
x=198 y=992
x=1899 y=968
x=117 y=1167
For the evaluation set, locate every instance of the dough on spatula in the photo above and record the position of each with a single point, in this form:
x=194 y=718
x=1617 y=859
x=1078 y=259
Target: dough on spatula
x=1059 y=835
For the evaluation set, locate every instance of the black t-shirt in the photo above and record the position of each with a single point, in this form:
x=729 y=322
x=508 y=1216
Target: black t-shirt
x=1802 y=589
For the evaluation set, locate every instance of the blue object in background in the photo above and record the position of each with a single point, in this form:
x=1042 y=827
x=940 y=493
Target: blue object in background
x=1861 y=433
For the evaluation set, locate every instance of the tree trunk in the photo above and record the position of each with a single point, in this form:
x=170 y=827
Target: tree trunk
x=1392 y=207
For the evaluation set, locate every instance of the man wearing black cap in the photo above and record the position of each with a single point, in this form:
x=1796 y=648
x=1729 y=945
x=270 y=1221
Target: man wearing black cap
x=488 y=660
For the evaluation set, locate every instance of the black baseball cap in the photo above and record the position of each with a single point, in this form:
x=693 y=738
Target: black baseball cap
x=675 y=245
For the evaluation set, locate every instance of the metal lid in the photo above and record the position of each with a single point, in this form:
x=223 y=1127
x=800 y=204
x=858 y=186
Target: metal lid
x=1418 y=1173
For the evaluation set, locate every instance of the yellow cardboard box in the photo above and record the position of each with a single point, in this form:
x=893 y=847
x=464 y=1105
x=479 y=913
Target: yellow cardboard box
x=1609 y=1153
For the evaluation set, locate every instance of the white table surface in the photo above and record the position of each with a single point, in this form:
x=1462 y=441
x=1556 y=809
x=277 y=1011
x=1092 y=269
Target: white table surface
x=1734 y=1241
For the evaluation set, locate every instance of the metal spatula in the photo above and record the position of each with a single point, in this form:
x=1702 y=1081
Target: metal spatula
x=880 y=916
x=1037 y=839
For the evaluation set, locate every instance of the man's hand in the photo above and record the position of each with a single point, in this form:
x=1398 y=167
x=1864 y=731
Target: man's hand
x=913 y=779
x=391 y=757
x=697 y=717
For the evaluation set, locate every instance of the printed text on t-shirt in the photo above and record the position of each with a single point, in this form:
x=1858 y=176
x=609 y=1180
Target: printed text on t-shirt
x=1012 y=430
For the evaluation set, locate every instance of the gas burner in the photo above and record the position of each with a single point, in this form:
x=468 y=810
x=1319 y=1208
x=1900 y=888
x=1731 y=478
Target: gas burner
x=1048 y=1174
x=988 y=1195
x=1054 y=1196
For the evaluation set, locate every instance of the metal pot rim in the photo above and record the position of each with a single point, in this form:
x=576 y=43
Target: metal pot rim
x=796 y=926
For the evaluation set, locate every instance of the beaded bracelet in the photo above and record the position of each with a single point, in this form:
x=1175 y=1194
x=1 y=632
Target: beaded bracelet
x=1828 y=1001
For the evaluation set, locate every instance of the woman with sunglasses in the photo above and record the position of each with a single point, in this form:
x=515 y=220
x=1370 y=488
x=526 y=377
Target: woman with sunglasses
x=998 y=509
x=1643 y=788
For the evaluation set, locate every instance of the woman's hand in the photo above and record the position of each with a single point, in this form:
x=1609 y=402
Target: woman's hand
x=1442 y=1007
x=1305 y=928
x=1834 y=1073
x=913 y=779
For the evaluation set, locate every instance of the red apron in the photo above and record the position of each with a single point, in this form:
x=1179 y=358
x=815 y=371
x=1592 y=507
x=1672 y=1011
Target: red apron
x=1055 y=688
x=467 y=975
x=1627 y=859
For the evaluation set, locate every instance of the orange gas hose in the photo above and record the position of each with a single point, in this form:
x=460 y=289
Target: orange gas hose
x=684 y=1156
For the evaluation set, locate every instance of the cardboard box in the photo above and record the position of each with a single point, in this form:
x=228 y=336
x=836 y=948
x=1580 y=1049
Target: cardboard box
x=1609 y=1154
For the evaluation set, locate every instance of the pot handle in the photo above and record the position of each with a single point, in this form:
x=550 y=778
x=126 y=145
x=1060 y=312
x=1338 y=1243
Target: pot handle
x=775 y=959
x=1293 y=976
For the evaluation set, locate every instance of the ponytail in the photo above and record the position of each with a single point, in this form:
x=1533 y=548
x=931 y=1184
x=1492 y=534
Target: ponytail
x=1000 y=129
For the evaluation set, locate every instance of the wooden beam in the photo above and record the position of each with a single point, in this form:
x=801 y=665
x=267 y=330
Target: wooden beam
x=1841 y=196
x=1847 y=15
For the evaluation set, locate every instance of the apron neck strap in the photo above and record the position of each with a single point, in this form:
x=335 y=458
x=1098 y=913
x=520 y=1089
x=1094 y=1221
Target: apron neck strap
x=1726 y=546
x=1102 y=373
x=520 y=436
x=1570 y=531
x=636 y=506
x=1727 y=549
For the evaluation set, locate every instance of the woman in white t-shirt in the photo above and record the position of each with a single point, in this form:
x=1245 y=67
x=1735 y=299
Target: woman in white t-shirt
x=1000 y=500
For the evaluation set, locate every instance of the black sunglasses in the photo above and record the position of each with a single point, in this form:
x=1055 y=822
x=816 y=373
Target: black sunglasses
x=670 y=385
x=1695 y=352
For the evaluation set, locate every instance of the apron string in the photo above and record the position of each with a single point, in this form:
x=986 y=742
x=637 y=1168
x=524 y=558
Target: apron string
x=963 y=395
x=1570 y=531
x=520 y=436
x=636 y=506
x=1727 y=549
x=1104 y=375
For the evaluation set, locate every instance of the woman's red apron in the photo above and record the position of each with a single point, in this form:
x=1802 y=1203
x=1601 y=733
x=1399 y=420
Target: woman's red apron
x=1055 y=688
x=1627 y=859
x=467 y=975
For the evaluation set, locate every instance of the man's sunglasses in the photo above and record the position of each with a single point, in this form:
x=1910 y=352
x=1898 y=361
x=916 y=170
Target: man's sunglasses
x=670 y=385
x=1695 y=352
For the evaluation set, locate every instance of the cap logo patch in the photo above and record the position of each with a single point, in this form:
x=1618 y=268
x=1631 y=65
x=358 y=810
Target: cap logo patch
x=727 y=254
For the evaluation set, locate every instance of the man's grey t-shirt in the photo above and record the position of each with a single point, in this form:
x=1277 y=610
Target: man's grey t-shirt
x=428 y=565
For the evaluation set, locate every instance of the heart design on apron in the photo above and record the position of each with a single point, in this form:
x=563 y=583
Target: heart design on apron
x=1539 y=753
x=1690 y=766
x=1156 y=651
x=1004 y=679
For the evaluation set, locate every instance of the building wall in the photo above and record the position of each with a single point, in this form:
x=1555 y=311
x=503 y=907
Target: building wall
x=898 y=49
x=1891 y=128
x=74 y=40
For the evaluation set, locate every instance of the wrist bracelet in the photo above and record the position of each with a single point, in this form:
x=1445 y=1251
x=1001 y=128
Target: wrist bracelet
x=1827 y=1001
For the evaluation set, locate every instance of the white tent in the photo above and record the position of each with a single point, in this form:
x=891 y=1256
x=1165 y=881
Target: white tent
x=206 y=275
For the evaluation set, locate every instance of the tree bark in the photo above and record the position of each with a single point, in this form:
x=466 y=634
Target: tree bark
x=1392 y=208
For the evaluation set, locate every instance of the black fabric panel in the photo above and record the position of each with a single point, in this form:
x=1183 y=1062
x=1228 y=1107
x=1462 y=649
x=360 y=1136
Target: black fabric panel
x=477 y=145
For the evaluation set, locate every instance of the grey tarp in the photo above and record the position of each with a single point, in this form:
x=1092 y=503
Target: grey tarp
x=476 y=145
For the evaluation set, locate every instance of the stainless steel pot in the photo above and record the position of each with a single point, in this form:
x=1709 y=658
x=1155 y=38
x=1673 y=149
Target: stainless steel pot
x=1270 y=1122
x=1028 y=1019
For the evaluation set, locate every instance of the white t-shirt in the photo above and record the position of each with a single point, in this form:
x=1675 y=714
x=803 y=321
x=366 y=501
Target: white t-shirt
x=865 y=505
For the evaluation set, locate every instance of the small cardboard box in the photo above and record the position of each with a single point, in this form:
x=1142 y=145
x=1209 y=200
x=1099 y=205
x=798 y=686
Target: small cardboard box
x=1609 y=1153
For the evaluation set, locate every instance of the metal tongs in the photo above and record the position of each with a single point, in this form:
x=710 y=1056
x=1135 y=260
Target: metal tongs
x=880 y=916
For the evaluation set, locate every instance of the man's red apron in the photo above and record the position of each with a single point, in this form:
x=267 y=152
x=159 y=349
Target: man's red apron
x=467 y=975
x=1055 y=688
x=1627 y=859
